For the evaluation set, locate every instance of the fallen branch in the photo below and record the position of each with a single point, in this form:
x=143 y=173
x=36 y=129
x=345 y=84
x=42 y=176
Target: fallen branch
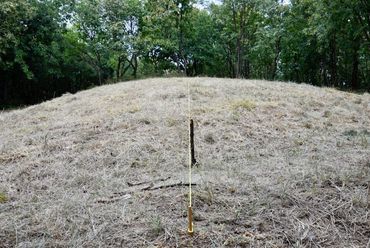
x=141 y=183
x=170 y=186
x=127 y=194
x=114 y=199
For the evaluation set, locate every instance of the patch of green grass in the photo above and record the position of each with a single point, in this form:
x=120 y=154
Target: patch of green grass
x=156 y=225
x=243 y=104
x=171 y=122
x=350 y=132
x=200 y=111
x=3 y=197
x=363 y=141
x=327 y=114
x=362 y=134
x=133 y=109
x=204 y=92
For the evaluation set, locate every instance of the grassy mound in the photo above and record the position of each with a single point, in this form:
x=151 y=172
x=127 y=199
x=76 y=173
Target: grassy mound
x=281 y=165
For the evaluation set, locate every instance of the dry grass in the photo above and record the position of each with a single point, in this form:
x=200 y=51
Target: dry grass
x=243 y=104
x=281 y=165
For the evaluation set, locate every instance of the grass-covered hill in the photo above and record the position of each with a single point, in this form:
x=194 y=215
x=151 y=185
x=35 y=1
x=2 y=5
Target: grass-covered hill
x=280 y=165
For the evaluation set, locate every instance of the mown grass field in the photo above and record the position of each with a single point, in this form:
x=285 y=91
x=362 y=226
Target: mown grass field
x=280 y=165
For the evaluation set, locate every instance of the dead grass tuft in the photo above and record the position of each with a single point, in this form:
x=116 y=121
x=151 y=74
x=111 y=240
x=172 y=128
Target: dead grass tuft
x=209 y=139
x=243 y=104
x=12 y=157
x=134 y=109
x=204 y=91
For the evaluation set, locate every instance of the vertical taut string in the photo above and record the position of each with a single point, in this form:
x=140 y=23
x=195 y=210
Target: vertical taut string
x=191 y=159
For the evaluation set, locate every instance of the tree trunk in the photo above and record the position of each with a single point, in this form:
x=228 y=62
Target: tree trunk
x=125 y=69
x=355 y=64
x=99 y=76
x=118 y=69
x=99 y=67
x=230 y=63
x=333 y=61
x=195 y=68
x=134 y=65
x=236 y=65
x=181 y=42
x=3 y=89
x=276 y=59
x=238 y=58
x=247 y=69
x=240 y=62
x=239 y=47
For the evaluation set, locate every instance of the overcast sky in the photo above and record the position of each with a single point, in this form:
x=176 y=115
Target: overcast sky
x=219 y=1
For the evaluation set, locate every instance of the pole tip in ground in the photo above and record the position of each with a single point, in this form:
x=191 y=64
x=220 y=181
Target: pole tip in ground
x=191 y=230
x=190 y=226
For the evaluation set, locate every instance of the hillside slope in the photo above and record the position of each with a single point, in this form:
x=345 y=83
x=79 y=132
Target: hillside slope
x=281 y=165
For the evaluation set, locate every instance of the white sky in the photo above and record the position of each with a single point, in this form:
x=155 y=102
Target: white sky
x=219 y=1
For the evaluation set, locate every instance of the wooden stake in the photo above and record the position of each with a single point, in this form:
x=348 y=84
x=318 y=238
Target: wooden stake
x=368 y=195
x=193 y=161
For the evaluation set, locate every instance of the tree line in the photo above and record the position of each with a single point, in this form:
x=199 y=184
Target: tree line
x=49 y=47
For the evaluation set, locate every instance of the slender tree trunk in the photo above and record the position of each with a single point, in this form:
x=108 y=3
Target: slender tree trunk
x=181 y=41
x=134 y=65
x=231 y=68
x=3 y=94
x=125 y=69
x=236 y=68
x=99 y=67
x=4 y=88
x=240 y=62
x=230 y=64
x=239 y=47
x=247 y=68
x=118 y=68
x=237 y=62
x=355 y=64
x=276 y=59
x=99 y=75
x=195 y=68
x=333 y=61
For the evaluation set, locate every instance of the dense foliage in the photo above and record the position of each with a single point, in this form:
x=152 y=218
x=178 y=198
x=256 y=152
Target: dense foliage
x=48 y=47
